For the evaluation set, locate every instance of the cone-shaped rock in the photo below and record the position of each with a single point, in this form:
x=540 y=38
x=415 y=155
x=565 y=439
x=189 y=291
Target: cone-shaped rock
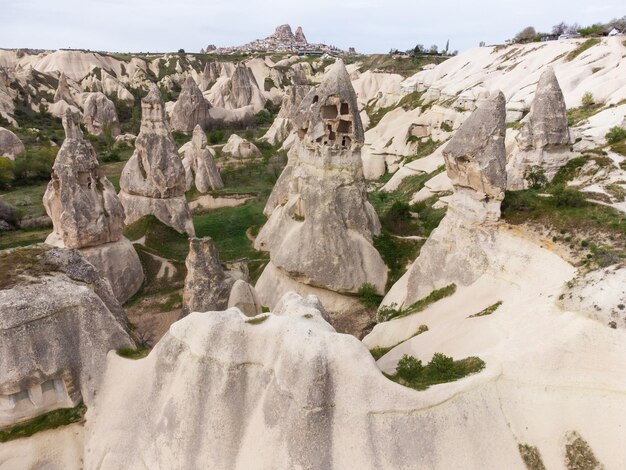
x=207 y=285
x=87 y=214
x=456 y=251
x=543 y=142
x=321 y=225
x=209 y=76
x=80 y=200
x=191 y=109
x=200 y=156
x=100 y=116
x=153 y=180
x=63 y=91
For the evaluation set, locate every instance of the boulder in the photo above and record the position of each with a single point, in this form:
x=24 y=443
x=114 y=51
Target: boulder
x=198 y=161
x=153 y=179
x=543 y=142
x=239 y=147
x=191 y=109
x=207 y=285
x=58 y=320
x=321 y=226
x=10 y=144
x=100 y=116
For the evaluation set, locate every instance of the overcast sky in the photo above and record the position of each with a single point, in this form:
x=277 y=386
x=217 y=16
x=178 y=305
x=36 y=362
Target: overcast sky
x=368 y=25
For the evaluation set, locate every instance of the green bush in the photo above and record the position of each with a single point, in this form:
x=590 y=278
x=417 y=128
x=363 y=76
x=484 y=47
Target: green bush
x=568 y=197
x=263 y=117
x=587 y=100
x=409 y=368
x=368 y=296
x=536 y=177
x=34 y=165
x=441 y=367
x=615 y=134
x=6 y=172
x=216 y=137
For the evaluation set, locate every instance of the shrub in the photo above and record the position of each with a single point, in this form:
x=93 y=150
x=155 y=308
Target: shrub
x=6 y=172
x=368 y=296
x=34 y=165
x=263 y=117
x=536 y=177
x=587 y=100
x=409 y=368
x=615 y=134
x=216 y=137
x=526 y=35
x=441 y=367
x=568 y=197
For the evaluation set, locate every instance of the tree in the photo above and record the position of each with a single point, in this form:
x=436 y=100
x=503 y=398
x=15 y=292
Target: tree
x=560 y=28
x=447 y=47
x=573 y=28
x=433 y=49
x=481 y=44
x=526 y=35
x=418 y=49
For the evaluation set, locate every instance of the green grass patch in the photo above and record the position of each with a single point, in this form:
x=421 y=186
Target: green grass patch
x=377 y=353
x=405 y=66
x=160 y=238
x=258 y=319
x=582 y=48
x=51 y=420
x=133 y=353
x=389 y=312
x=531 y=457
x=17 y=238
x=487 y=311
x=577 y=115
x=441 y=369
x=368 y=296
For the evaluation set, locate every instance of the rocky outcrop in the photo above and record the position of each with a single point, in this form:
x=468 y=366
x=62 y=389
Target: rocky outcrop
x=543 y=142
x=239 y=147
x=80 y=200
x=58 y=320
x=209 y=287
x=321 y=225
x=87 y=214
x=63 y=91
x=240 y=90
x=200 y=169
x=153 y=180
x=283 y=390
x=100 y=116
x=282 y=126
x=10 y=144
x=191 y=109
x=456 y=251
x=299 y=36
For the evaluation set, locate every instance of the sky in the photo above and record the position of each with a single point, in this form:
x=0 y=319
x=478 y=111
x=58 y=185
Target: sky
x=370 y=26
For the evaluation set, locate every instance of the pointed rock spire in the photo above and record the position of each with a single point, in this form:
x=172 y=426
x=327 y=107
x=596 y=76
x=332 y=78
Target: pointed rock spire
x=191 y=108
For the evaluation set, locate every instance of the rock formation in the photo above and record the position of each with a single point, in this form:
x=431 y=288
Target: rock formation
x=209 y=76
x=455 y=252
x=87 y=214
x=321 y=225
x=153 y=180
x=239 y=147
x=58 y=320
x=299 y=36
x=10 y=144
x=283 y=126
x=208 y=287
x=63 y=91
x=200 y=169
x=241 y=90
x=543 y=142
x=100 y=116
x=191 y=109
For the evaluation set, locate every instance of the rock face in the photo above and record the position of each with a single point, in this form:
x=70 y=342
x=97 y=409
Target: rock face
x=80 y=200
x=239 y=147
x=283 y=125
x=10 y=144
x=58 y=320
x=200 y=169
x=208 y=287
x=153 y=180
x=299 y=36
x=87 y=214
x=543 y=142
x=191 y=109
x=321 y=225
x=282 y=391
x=100 y=114
x=455 y=252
